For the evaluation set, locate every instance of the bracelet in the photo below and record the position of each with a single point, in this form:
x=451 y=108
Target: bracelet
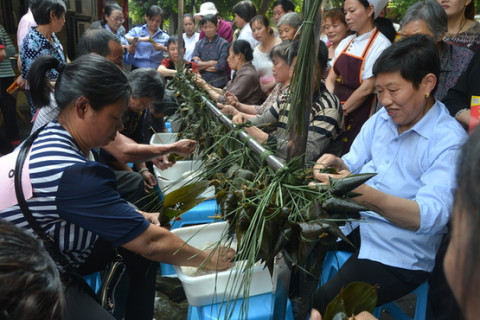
x=142 y=170
x=458 y=113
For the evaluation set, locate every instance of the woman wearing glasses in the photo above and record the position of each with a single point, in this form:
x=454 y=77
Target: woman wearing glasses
x=112 y=21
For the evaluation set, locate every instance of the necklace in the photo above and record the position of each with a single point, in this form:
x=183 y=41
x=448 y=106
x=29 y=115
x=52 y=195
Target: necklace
x=464 y=22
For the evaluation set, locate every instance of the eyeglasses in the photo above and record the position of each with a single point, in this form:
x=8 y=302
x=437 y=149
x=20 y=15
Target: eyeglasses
x=119 y=19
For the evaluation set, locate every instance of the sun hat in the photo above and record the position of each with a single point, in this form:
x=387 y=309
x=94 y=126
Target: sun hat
x=378 y=6
x=206 y=8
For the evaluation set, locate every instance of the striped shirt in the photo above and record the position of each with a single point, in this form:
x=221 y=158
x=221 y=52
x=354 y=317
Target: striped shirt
x=324 y=131
x=74 y=199
x=6 y=70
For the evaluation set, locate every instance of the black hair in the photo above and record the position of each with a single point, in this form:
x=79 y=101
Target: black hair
x=414 y=57
x=364 y=3
x=41 y=10
x=287 y=5
x=262 y=19
x=245 y=10
x=174 y=39
x=292 y=52
x=281 y=51
x=154 y=11
x=107 y=11
x=188 y=15
x=386 y=27
x=242 y=47
x=91 y=76
x=466 y=215
x=209 y=17
x=322 y=56
x=146 y=82
x=96 y=41
x=29 y=280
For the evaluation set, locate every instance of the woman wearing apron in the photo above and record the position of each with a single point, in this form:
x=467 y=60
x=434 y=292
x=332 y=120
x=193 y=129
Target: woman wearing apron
x=351 y=77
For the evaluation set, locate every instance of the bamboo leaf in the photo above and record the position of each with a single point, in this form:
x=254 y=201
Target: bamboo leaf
x=355 y=298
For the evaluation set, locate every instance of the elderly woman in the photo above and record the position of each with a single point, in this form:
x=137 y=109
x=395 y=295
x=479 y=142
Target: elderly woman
x=325 y=121
x=281 y=72
x=463 y=30
x=288 y=25
x=351 y=78
x=74 y=199
x=41 y=40
x=412 y=144
x=429 y=18
x=211 y=53
x=151 y=41
x=245 y=84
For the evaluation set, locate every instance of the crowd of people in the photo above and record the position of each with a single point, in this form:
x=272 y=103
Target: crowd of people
x=392 y=103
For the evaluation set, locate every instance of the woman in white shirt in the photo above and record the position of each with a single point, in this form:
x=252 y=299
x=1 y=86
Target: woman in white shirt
x=190 y=36
x=261 y=54
x=351 y=77
x=244 y=12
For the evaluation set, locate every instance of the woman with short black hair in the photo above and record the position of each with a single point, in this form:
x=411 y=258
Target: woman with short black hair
x=245 y=84
x=211 y=53
x=41 y=40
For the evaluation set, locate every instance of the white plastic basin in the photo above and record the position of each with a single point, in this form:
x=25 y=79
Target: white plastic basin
x=216 y=287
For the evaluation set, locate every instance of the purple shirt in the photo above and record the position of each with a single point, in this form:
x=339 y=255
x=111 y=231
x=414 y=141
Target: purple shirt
x=224 y=30
x=216 y=50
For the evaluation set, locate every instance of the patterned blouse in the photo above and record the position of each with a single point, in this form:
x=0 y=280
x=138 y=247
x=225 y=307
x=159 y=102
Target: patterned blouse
x=469 y=39
x=35 y=45
x=216 y=50
x=454 y=61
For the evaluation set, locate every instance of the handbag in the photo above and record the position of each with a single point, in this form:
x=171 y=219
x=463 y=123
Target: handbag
x=70 y=276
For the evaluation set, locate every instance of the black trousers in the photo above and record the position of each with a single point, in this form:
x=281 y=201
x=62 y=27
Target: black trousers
x=136 y=292
x=393 y=282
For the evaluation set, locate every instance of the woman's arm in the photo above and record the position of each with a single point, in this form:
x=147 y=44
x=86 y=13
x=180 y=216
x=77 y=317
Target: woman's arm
x=126 y=150
x=164 y=71
x=158 y=244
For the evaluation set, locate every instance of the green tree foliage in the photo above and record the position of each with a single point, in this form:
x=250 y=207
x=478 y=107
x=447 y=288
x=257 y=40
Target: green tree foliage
x=395 y=10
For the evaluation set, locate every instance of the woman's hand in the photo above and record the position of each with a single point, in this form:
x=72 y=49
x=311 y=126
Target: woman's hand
x=200 y=82
x=159 y=47
x=131 y=48
x=150 y=217
x=220 y=258
x=231 y=99
x=149 y=179
x=239 y=118
x=227 y=109
x=162 y=162
x=184 y=147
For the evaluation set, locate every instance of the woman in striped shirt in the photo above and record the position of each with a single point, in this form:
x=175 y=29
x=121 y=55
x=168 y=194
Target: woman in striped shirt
x=74 y=199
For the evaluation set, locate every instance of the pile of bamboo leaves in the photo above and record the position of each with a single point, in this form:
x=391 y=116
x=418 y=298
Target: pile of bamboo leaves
x=269 y=211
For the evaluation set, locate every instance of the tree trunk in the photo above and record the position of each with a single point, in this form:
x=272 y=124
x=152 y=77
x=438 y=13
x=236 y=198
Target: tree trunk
x=264 y=6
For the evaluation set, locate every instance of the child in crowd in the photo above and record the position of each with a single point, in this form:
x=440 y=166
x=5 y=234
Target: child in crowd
x=168 y=67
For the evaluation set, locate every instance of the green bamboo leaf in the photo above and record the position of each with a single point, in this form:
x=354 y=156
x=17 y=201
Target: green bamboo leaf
x=185 y=193
x=341 y=186
x=355 y=298
x=343 y=207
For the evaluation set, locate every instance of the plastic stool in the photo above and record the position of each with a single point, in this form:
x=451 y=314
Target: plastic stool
x=333 y=261
x=201 y=213
x=94 y=281
x=259 y=308
x=420 y=307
